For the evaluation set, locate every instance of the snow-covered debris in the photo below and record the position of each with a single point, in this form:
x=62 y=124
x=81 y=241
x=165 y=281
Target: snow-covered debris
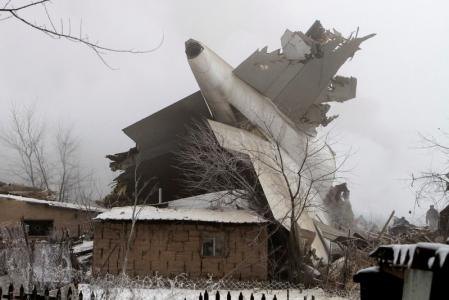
x=52 y=203
x=85 y=246
x=151 y=213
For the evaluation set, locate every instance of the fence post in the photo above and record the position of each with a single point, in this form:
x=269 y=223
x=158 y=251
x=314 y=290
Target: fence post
x=46 y=294
x=251 y=297
x=201 y=296
x=228 y=296
x=241 y=296
x=288 y=294
x=22 y=292
x=10 y=291
x=34 y=294
x=69 y=294
x=206 y=295
x=217 y=296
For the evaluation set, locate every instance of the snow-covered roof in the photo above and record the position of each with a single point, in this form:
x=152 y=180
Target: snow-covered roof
x=52 y=203
x=151 y=213
x=222 y=199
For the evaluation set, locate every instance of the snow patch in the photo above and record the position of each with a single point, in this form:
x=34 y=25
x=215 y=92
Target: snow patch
x=188 y=294
x=83 y=247
x=147 y=213
x=401 y=252
x=430 y=262
x=442 y=253
x=374 y=269
x=52 y=203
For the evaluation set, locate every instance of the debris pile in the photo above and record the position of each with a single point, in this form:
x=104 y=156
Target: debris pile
x=26 y=191
x=356 y=249
x=82 y=254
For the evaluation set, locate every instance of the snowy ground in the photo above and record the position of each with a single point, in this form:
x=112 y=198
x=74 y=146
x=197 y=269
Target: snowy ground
x=181 y=294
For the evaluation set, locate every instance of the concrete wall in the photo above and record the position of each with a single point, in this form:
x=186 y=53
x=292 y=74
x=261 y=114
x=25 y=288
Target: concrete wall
x=171 y=248
x=71 y=220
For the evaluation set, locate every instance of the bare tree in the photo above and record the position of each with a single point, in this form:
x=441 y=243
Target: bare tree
x=10 y=11
x=46 y=159
x=434 y=183
x=138 y=204
x=67 y=164
x=207 y=167
x=25 y=137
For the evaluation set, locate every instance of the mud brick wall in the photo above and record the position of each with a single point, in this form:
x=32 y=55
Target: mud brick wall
x=170 y=248
x=65 y=220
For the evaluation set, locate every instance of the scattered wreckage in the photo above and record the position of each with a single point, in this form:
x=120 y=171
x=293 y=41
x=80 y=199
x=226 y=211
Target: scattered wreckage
x=272 y=98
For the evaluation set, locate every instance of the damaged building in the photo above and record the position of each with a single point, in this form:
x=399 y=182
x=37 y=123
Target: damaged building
x=271 y=104
x=44 y=218
x=186 y=237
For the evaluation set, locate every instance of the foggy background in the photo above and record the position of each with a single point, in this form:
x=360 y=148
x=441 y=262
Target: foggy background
x=402 y=77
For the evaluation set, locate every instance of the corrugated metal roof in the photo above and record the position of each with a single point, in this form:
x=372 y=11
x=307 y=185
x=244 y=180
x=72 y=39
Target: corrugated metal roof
x=151 y=213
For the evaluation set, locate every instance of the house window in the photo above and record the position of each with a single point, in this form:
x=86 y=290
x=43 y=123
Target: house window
x=38 y=227
x=213 y=246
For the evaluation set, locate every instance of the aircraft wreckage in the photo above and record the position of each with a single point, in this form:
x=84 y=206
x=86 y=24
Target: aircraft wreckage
x=284 y=95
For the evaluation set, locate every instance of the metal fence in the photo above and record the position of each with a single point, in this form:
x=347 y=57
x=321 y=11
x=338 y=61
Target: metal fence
x=13 y=293
x=218 y=296
x=74 y=294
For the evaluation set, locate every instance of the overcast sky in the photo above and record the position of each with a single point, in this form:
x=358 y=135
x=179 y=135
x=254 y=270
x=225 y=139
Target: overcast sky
x=402 y=75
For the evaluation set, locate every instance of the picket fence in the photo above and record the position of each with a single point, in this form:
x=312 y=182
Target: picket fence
x=12 y=293
x=74 y=295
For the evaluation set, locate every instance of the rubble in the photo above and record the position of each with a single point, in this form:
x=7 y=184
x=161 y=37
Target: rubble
x=26 y=191
x=82 y=252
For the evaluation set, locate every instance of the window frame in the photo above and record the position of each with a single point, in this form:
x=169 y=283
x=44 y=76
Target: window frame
x=49 y=224
x=214 y=237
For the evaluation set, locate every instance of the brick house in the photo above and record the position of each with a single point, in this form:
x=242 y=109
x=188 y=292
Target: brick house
x=44 y=218
x=174 y=240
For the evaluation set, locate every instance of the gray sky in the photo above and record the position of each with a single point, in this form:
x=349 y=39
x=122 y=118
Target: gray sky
x=402 y=79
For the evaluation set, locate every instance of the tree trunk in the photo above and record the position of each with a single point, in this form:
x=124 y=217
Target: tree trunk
x=294 y=254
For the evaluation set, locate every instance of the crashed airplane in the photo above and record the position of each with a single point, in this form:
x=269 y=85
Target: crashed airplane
x=284 y=95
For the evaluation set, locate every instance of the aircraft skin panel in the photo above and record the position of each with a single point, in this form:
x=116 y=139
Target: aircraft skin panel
x=294 y=85
x=273 y=184
x=306 y=87
x=261 y=70
x=146 y=133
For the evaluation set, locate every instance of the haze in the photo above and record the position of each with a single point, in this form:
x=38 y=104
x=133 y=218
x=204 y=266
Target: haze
x=402 y=80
